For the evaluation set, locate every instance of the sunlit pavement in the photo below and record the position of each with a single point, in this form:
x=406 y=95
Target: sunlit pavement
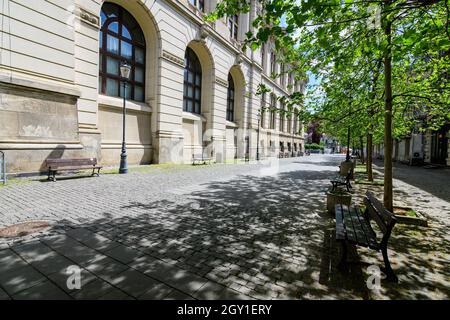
x=240 y=231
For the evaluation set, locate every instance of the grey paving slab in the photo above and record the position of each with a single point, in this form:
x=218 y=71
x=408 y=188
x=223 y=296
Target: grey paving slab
x=257 y=230
x=62 y=278
x=13 y=281
x=59 y=241
x=134 y=283
x=106 y=268
x=52 y=264
x=123 y=254
x=35 y=251
x=116 y=294
x=93 y=290
x=177 y=295
x=42 y=291
x=10 y=261
x=4 y=295
x=92 y=239
x=79 y=253
x=157 y=292
x=168 y=273
x=42 y=257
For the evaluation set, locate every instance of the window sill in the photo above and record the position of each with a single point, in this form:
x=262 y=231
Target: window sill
x=193 y=116
x=116 y=102
x=230 y=124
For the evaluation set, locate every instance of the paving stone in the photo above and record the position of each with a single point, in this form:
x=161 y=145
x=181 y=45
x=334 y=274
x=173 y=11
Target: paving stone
x=35 y=251
x=52 y=264
x=237 y=217
x=79 y=253
x=20 y=279
x=60 y=278
x=157 y=292
x=42 y=291
x=10 y=261
x=123 y=254
x=168 y=273
x=93 y=290
x=178 y=295
x=106 y=268
x=116 y=294
x=92 y=240
x=209 y=291
x=133 y=282
x=42 y=257
x=4 y=295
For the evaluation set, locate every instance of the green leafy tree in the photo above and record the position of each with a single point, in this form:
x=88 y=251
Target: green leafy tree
x=368 y=54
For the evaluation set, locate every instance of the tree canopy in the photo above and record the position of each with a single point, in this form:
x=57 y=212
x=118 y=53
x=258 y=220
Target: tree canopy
x=383 y=65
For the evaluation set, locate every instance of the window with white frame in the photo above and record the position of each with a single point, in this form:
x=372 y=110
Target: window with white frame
x=263 y=110
x=282 y=75
x=273 y=111
x=289 y=122
x=273 y=63
x=263 y=57
x=233 y=26
x=199 y=4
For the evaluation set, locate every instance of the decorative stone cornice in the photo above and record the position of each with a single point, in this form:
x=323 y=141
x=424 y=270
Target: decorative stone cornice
x=203 y=33
x=238 y=60
x=173 y=58
x=222 y=82
x=88 y=17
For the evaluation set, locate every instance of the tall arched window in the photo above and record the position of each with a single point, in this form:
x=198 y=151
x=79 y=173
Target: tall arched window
x=192 y=83
x=121 y=39
x=230 y=98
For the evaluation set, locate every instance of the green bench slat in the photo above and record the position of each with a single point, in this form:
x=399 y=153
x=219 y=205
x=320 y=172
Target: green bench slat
x=357 y=225
x=348 y=225
x=351 y=226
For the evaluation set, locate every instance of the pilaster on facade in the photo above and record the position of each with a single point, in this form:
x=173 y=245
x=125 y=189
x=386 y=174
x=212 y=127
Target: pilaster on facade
x=71 y=78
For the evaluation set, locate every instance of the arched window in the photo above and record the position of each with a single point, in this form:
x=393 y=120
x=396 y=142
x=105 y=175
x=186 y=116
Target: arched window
x=273 y=110
x=192 y=83
x=121 y=39
x=230 y=99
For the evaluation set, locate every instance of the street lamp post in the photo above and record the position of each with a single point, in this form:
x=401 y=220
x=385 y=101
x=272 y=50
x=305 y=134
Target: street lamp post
x=292 y=143
x=257 y=136
x=125 y=70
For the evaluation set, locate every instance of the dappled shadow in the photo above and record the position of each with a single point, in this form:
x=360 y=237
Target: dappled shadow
x=263 y=237
x=433 y=181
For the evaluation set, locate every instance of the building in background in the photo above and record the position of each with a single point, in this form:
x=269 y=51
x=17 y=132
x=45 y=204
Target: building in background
x=431 y=148
x=192 y=87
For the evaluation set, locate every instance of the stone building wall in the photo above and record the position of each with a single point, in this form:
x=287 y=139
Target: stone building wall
x=50 y=106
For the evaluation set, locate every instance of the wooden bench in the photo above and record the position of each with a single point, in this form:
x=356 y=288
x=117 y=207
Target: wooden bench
x=200 y=158
x=342 y=180
x=55 y=165
x=354 y=227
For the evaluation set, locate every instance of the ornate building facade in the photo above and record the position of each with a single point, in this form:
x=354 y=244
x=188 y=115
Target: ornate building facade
x=192 y=87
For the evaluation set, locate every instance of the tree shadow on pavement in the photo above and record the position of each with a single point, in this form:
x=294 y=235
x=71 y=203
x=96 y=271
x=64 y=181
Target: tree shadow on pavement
x=262 y=237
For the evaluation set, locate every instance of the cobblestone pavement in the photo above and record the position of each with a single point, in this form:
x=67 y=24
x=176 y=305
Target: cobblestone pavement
x=242 y=231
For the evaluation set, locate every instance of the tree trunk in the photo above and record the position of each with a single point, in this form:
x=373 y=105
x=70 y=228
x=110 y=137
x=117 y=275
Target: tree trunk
x=388 y=189
x=369 y=156
x=362 y=149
